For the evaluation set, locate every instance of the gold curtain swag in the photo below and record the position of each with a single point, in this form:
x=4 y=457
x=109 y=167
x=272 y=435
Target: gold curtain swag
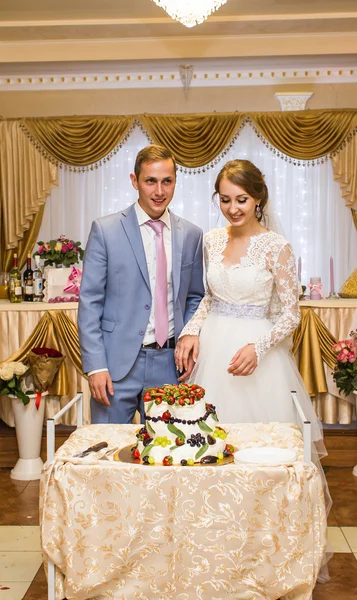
x=195 y=139
x=26 y=179
x=54 y=330
x=314 y=342
x=77 y=141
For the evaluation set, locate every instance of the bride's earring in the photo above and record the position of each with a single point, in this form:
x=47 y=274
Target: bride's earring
x=257 y=210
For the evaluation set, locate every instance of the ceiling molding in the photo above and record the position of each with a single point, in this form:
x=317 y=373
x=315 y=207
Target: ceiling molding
x=207 y=77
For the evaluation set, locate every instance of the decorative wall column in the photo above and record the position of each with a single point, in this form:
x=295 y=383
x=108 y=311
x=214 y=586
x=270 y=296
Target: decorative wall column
x=293 y=100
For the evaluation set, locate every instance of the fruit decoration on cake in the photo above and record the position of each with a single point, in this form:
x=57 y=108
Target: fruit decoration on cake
x=180 y=429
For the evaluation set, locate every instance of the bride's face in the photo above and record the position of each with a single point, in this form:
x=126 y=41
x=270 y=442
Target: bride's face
x=236 y=205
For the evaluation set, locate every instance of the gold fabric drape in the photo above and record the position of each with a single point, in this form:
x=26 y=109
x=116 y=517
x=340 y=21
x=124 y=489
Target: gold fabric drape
x=30 y=147
x=26 y=179
x=306 y=134
x=17 y=324
x=54 y=329
x=26 y=245
x=314 y=342
x=78 y=141
x=195 y=140
x=345 y=172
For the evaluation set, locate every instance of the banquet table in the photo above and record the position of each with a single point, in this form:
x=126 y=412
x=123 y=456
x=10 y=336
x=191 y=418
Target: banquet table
x=123 y=531
x=340 y=317
x=17 y=322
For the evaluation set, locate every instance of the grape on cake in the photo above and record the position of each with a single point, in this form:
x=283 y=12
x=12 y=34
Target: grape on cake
x=180 y=429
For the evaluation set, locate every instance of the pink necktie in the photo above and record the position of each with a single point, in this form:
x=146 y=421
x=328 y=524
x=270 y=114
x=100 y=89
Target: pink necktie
x=161 y=311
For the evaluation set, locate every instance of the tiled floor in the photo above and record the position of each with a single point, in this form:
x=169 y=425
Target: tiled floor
x=22 y=576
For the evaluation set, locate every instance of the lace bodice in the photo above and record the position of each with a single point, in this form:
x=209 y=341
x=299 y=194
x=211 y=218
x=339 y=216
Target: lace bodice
x=265 y=277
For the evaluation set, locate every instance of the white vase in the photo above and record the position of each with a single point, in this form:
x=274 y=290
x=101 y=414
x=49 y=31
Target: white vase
x=28 y=425
x=354 y=472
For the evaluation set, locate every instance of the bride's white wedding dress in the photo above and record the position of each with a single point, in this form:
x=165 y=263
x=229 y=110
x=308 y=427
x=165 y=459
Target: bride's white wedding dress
x=255 y=301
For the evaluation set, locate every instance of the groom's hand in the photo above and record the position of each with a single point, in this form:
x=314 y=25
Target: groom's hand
x=244 y=362
x=186 y=347
x=99 y=383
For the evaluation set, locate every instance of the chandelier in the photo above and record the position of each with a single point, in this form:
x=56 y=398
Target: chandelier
x=190 y=12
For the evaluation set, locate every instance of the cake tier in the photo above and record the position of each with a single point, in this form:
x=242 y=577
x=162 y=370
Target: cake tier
x=180 y=428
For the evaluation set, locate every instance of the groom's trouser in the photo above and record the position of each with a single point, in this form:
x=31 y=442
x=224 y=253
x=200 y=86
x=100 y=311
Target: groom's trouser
x=152 y=368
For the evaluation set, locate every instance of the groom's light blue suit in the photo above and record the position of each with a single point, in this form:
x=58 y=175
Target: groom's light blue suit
x=115 y=304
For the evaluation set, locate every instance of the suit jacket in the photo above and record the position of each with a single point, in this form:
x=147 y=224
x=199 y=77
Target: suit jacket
x=115 y=296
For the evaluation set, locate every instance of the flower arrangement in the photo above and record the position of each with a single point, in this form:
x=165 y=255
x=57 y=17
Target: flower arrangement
x=44 y=365
x=345 y=372
x=62 y=251
x=10 y=380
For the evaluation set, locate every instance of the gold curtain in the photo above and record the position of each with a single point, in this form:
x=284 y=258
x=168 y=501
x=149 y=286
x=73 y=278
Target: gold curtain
x=29 y=149
x=195 y=140
x=344 y=165
x=354 y=217
x=77 y=141
x=26 y=245
x=306 y=134
x=26 y=179
x=54 y=330
x=314 y=342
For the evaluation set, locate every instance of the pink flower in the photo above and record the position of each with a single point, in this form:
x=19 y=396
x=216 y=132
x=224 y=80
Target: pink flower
x=75 y=249
x=343 y=356
x=70 y=245
x=41 y=250
x=351 y=357
x=64 y=248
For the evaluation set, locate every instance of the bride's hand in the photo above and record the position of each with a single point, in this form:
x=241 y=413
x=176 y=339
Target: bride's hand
x=244 y=362
x=185 y=346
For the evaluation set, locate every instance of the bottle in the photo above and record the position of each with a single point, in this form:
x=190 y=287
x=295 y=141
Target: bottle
x=15 y=287
x=28 y=281
x=37 y=280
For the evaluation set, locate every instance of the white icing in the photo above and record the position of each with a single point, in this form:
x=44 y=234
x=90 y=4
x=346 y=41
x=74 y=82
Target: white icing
x=187 y=412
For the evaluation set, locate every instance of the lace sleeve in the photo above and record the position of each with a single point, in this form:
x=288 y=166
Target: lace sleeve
x=286 y=284
x=194 y=325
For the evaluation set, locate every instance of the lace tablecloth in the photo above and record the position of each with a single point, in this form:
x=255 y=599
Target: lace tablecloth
x=126 y=532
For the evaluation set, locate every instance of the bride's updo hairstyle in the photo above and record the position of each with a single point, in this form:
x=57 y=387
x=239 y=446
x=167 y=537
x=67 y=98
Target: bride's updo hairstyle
x=248 y=177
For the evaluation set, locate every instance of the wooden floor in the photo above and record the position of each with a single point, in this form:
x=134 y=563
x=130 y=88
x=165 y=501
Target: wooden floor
x=22 y=575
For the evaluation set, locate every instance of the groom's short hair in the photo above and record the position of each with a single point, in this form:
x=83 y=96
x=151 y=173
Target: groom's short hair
x=153 y=153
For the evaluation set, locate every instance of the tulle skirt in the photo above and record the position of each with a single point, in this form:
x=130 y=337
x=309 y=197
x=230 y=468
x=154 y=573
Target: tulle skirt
x=264 y=396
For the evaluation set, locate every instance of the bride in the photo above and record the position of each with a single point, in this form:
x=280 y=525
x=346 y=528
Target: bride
x=238 y=341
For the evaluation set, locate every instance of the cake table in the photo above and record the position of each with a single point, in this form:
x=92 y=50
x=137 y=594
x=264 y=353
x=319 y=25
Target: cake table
x=123 y=531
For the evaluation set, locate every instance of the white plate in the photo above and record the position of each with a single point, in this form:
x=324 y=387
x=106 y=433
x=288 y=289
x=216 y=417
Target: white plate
x=267 y=455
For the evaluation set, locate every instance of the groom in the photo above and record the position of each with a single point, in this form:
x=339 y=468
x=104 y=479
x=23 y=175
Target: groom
x=142 y=281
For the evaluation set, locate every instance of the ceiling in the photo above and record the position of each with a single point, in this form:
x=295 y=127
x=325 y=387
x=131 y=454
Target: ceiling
x=138 y=30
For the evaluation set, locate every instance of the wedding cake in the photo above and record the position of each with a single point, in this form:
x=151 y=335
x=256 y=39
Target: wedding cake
x=180 y=428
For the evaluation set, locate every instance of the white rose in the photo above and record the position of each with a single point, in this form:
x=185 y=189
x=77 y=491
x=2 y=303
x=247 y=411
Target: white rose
x=6 y=372
x=58 y=246
x=19 y=368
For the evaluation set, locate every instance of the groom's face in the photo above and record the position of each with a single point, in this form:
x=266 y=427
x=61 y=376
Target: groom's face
x=156 y=185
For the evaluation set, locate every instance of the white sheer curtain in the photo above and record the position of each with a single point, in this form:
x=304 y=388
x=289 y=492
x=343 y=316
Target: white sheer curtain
x=306 y=199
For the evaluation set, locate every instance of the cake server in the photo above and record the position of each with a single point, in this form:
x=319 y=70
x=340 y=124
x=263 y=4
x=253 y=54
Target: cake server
x=94 y=448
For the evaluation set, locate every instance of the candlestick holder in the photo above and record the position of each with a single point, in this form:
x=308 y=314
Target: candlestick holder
x=333 y=296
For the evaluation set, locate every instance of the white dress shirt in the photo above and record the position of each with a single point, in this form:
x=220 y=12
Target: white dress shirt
x=149 y=242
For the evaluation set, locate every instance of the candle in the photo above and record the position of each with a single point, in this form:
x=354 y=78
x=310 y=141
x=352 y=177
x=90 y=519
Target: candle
x=332 y=278
x=299 y=269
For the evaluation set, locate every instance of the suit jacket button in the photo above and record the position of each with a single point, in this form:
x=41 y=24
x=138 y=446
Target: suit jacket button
x=147 y=306
x=142 y=332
